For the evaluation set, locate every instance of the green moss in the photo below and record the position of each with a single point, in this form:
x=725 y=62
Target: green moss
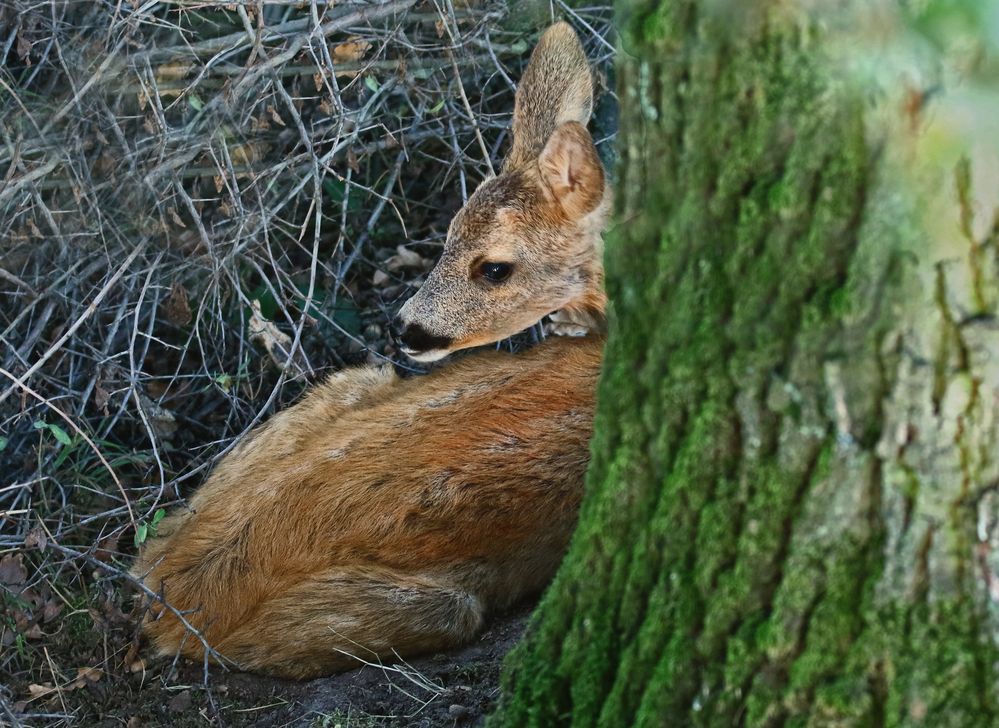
x=729 y=563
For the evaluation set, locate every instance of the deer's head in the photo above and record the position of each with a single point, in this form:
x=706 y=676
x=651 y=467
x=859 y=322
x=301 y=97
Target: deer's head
x=527 y=242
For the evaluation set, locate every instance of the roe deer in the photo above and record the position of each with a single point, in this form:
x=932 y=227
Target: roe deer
x=381 y=516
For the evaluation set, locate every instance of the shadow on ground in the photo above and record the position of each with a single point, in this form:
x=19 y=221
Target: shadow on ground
x=453 y=689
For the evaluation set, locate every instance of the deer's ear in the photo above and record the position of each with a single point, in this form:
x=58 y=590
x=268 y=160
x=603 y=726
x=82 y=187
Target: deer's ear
x=556 y=87
x=571 y=171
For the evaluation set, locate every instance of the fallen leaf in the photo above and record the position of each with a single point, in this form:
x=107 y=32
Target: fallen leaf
x=351 y=50
x=276 y=342
x=39 y=691
x=23 y=49
x=12 y=571
x=86 y=676
x=50 y=611
x=178 y=307
x=180 y=702
x=173 y=70
x=36 y=539
x=275 y=116
x=101 y=397
x=160 y=418
x=380 y=278
x=406 y=258
x=106 y=548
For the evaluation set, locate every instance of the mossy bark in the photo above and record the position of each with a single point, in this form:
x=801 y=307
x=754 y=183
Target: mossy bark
x=791 y=511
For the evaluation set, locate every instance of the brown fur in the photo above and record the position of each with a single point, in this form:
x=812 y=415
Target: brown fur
x=382 y=516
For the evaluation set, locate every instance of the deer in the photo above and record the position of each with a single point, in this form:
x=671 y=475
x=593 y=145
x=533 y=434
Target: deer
x=384 y=517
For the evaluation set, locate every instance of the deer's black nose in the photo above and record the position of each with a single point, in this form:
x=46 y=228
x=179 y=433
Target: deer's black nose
x=417 y=339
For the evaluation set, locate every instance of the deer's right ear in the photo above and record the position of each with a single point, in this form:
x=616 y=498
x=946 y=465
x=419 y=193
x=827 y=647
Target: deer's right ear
x=557 y=87
x=571 y=172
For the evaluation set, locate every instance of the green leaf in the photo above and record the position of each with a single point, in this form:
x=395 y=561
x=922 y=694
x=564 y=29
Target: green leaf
x=60 y=435
x=437 y=107
x=57 y=432
x=196 y=103
x=224 y=381
x=3 y=443
x=158 y=516
x=348 y=318
x=141 y=531
x=372 y=83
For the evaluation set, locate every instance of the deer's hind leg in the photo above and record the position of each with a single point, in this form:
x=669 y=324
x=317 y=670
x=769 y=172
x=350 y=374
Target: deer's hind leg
x=335 y=620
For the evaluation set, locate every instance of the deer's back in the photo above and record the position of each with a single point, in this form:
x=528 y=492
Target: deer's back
x=473 y=473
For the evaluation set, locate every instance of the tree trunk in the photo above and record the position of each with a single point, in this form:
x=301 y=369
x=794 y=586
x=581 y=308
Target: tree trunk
x=792 y=513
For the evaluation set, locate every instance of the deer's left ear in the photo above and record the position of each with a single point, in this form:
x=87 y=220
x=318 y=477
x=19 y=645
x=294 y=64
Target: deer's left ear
x=571 y=172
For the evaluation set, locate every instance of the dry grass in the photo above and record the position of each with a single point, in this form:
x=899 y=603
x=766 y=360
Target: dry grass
x=200 y=208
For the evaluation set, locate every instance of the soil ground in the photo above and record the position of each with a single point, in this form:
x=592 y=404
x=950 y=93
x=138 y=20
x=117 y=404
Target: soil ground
x=454 y=689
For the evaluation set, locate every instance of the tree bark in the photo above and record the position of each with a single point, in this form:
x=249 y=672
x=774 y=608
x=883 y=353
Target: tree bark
x=792 y=514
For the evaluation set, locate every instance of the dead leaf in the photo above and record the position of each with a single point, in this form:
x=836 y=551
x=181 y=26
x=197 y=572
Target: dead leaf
x=352 y=161
x=406 y=258
x=36 y=539
x=101 y=397
x=180 y=702
x=50 y=611
x=23 y=49
x=173 y=71
x=178 y=307
x=351 y=50
x=275 y=116
x=380 y=278
x=317 y=78
x=12 y=571
x=177 y=219
x=160 y=418
x=40 y=691
x=86 y=676
x=276 y=342
x=106 y=548
x=219 y=183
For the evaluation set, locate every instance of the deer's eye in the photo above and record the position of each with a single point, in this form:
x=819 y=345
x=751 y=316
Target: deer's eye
x=495 y=272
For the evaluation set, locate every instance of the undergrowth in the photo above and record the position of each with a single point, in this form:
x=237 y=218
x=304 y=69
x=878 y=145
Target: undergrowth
x=204 y=207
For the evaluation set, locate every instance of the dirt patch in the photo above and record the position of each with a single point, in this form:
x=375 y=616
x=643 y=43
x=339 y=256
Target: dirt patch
x=452 y=689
